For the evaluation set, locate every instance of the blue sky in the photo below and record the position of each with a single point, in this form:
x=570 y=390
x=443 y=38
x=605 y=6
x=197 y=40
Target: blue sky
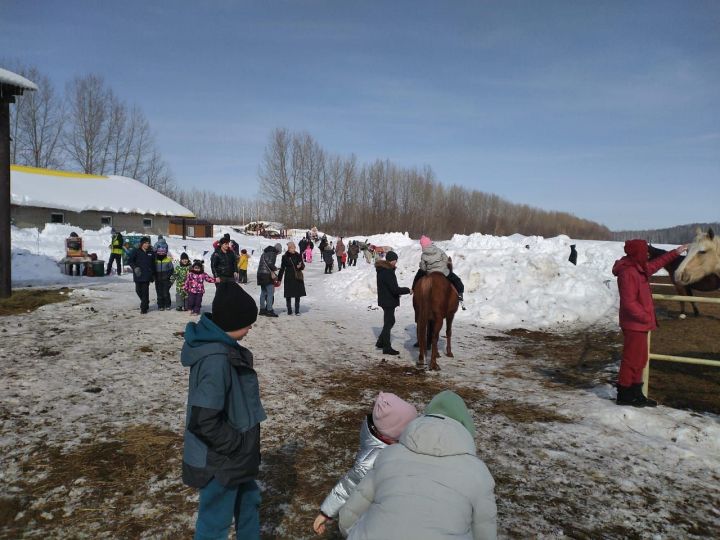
x=609 y=110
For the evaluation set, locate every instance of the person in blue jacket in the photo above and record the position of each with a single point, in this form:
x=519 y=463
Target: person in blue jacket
x=142 y=262
x=221 y=454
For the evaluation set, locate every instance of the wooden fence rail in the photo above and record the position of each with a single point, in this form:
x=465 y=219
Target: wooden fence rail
x=680 y=359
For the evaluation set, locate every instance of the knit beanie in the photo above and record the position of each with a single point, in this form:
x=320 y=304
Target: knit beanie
x=233 y=308
x=278 y=247
x=391 y=414
x=224 y=240
x=391 y=256
x=448 y=403
x=184 y=256
x=425 y=241
x=145 y=239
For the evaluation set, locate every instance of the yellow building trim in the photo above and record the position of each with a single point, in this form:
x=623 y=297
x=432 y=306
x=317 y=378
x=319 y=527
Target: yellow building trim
x=51 y=172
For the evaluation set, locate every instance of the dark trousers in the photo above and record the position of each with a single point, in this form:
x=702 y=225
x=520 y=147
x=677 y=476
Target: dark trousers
x=352 y=261
x=118 y=259
x=341 y=264
x=243 y=276
x=162 y=288
x=194 y=302
x=297 y=305
x=634 y=357
x=388 y=322
x=454 y=279
x=142 y=289
x=328 y=267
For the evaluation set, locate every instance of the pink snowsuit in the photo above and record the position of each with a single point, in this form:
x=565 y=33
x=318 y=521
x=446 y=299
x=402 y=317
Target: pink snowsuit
x=307 y=254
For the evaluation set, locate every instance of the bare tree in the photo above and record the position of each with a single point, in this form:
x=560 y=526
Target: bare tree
x=86 y=137
x=37 y=124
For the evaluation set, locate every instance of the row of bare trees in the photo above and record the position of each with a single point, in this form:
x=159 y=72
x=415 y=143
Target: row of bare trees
x=88 y=129
x=306 y=185
x=222 y=208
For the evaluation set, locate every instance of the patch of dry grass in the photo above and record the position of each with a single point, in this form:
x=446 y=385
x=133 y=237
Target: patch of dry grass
x=109 y=479
x=26 y=300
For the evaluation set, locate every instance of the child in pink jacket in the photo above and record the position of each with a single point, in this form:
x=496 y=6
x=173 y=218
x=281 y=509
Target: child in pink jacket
x=195 y=286
x=307 y=254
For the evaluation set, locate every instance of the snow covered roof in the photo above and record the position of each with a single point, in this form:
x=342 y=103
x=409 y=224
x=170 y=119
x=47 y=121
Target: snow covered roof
x=13 y=79
x=77 y=192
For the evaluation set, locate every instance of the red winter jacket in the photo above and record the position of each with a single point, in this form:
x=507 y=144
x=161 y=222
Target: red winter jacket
x=633 y=272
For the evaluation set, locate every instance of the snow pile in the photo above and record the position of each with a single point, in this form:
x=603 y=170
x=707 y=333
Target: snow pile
x=510 y=282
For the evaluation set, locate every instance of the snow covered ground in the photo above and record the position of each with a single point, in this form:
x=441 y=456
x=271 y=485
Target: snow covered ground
x=567 y=462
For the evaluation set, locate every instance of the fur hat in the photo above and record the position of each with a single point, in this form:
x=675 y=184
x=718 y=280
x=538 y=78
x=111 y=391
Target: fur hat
x=425 y=241
x=391 y=414
x=291 y=245
x=278 y=247
x=391 y=256
x=233 y=308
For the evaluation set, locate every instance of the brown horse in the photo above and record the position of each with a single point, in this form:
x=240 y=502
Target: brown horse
x=434 y=299
x=705 y=284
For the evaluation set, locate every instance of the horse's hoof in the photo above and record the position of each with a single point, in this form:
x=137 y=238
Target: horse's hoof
x=435 y=368
x=449 y=355
x=420 y=367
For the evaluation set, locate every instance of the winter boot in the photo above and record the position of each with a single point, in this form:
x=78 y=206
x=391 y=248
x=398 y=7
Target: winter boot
x=289 y=311
x=262 y=312
x=390 y=351
x=271 y=314
x=627 y=395
x=640 y=397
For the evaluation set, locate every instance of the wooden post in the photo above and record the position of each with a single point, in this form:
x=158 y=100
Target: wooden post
x=5 y=247
x=184 y=227
x=646 y=371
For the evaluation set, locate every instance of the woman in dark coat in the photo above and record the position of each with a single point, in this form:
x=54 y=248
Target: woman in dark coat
x=291 y=267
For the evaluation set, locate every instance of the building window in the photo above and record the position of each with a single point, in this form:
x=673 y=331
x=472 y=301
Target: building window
x=106 y=220
x=57 y=218
x=147 y=222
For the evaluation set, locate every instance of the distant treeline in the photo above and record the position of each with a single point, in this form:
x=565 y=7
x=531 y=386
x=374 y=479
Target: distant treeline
x=305 y=185
x=680 y=234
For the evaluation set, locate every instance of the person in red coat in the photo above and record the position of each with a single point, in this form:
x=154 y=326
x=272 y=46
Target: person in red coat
x=637 y=317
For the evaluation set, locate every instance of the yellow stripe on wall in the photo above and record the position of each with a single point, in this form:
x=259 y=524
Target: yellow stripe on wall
x=51 y=172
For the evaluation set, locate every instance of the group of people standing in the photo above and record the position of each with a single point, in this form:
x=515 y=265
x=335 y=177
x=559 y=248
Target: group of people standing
x=413 y=477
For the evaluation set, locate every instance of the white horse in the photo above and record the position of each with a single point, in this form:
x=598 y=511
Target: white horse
x=703 y=259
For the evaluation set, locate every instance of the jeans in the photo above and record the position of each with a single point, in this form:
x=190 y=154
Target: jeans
x=142 y=289
x=180 y=299
x=243 y=276
x=219 y=505
x=267 y=296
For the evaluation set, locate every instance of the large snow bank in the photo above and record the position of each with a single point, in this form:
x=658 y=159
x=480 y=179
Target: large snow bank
x=515 y=281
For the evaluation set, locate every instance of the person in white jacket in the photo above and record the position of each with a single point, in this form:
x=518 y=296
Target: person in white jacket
x=430 y=486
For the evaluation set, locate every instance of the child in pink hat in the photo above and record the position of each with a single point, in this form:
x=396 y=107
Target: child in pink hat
x=383 y=427
x=434 y=259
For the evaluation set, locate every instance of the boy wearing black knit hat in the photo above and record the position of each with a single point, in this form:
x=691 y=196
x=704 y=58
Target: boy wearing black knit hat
x=221 y=453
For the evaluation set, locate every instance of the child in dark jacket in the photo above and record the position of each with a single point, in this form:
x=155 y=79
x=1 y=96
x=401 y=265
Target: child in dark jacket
x=142 y=262
x=195 y=286
x=221 y=453
x=163 y=277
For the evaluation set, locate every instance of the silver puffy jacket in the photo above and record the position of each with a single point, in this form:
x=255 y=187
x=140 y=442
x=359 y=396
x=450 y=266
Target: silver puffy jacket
x=434 y=259
x=370 y=447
